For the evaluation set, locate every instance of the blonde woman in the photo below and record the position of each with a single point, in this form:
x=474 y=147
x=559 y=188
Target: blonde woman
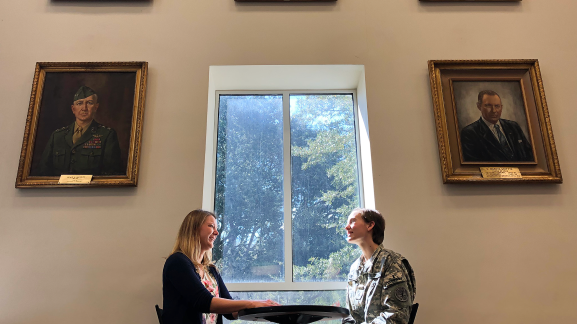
x=193 y=290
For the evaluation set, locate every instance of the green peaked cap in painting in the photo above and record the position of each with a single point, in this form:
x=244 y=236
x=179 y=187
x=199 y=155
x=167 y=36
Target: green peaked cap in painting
x=83 y=92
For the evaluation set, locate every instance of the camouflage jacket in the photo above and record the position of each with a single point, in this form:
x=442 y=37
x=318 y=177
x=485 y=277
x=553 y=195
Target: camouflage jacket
x=96 y=152
x=380 y=290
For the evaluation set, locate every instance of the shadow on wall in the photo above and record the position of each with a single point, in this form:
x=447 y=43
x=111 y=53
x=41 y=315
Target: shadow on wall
x=100 y=6
x=468 y=6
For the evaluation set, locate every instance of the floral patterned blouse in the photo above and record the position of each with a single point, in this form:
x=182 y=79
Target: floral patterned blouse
x=211 y=285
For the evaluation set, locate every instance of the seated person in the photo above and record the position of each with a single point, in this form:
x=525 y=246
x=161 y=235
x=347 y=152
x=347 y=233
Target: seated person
x=381 y=284
x=193 y=291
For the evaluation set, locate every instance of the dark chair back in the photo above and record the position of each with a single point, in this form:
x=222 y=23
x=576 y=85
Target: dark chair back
x=414 y=309
x=159 y=313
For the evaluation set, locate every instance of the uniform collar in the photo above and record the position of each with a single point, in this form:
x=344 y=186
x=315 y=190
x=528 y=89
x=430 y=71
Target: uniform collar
x=84 y=129
x=368 y=264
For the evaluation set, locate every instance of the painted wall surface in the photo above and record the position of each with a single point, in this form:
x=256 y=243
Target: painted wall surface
x=482 y=254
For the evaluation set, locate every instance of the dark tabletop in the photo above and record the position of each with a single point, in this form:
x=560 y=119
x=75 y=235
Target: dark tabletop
x=293 y=314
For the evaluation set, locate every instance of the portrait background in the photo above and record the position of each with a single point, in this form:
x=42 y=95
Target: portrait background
x=466 y=97
x=115 y=92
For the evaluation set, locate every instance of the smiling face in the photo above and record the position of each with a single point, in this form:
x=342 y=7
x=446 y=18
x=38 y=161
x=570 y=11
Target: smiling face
x=490 y=108
x=358 y=230
x=85 y=109
x=208 y=233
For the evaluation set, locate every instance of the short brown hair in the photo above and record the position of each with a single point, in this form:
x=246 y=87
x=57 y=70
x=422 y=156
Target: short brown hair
x=488 y=93
x=372 y=215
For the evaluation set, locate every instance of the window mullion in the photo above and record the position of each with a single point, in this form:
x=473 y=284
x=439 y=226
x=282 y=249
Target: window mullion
x=360 y=177
x=288 y=254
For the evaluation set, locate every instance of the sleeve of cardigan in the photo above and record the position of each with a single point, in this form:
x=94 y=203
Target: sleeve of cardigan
x=182 y=275
x=223 y=291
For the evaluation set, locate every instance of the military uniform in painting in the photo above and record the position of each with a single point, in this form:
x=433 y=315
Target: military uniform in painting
x=96 y=152
x=380 y=290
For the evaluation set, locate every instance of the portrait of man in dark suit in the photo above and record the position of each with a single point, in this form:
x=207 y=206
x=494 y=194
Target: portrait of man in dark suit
x=492 y=138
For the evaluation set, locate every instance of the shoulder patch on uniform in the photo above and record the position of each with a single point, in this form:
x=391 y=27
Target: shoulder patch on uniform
x=61 y=129
x=401 y=294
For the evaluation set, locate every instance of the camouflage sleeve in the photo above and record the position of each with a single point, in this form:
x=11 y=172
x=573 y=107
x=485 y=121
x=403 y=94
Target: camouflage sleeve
x=396 y=298
x=349 y=319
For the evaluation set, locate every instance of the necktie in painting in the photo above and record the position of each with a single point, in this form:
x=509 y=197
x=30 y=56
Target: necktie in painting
x=77 y=134
x=503 y=141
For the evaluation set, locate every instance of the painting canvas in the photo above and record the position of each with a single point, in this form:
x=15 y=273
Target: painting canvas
x=492 y=113
x=492 y=122
x=84 y=118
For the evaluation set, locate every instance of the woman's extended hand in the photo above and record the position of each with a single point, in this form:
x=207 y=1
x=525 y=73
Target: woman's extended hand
x=228 y=306
x=263 y=303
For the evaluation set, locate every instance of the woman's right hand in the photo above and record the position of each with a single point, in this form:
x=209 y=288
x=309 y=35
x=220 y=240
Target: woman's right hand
x=263 y=303
x=228 y=306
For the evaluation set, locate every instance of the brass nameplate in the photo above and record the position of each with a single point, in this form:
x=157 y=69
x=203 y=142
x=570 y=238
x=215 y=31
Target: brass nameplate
x=75 y=179
x=500 y=173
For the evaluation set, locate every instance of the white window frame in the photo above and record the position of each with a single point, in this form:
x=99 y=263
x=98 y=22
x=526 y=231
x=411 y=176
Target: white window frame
x=294 y=80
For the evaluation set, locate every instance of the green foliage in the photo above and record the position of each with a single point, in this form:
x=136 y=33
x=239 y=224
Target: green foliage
x=330 y=269
x=330 y=152
x=249 y=186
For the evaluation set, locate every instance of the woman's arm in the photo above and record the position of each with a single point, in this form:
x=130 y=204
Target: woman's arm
x=226 y=306
x=180 y=274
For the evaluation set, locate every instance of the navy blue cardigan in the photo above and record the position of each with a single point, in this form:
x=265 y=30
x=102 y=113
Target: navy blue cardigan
x=184 y=297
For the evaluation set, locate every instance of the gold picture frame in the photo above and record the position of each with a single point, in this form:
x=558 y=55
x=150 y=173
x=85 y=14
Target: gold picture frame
x=470 y=0
x=465 y=120
x=108 y=147
x=285 y=0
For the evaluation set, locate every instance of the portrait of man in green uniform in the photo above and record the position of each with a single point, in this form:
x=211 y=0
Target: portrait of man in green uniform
x=85 y=146
x=84 y=118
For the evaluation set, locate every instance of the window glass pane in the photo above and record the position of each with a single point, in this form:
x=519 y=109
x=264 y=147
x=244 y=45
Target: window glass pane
x=324 y=298
x=249 y=188
x=325 y=185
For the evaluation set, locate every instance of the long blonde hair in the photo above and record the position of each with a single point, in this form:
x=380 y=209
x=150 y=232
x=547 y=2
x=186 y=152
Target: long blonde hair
x=188 y=238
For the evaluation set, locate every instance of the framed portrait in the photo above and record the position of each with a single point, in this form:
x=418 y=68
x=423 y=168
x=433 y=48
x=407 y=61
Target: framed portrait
x=84 y=118
x=492 y=114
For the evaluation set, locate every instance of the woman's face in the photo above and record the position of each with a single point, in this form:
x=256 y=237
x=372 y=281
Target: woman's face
x=358 y=230
x=208 y=233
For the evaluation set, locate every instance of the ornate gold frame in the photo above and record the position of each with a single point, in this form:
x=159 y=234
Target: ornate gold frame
x=24 y=180
x=285 y=0
x=470 y=0
x=441 y=72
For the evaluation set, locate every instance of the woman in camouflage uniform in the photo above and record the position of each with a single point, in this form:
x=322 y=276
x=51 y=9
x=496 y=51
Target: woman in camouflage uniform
x=381 y=284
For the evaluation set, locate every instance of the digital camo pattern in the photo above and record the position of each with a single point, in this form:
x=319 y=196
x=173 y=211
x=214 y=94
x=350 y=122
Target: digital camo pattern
x=380 y=290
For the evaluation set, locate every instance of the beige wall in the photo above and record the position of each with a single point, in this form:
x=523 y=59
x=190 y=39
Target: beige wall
x=482 y=254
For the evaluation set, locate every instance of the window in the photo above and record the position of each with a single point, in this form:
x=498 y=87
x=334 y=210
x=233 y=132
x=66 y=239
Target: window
x=284 y=172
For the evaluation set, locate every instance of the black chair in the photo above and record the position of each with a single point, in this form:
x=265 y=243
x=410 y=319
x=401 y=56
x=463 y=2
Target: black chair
x=159 y=313
x=414 y=309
